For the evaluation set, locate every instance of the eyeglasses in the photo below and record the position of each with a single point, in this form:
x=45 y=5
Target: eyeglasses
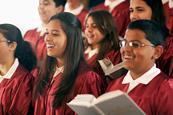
x=5 y=41
x=134 y=44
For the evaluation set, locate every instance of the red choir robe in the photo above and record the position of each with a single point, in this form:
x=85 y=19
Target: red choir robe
x=154 y=98
x=38 y=45
x=37 y=42
x=165 y=62
x=87 y=82
x=16 y=93
x=169 y=17
x=114 y=56
x=120 y=14
x=81 y=16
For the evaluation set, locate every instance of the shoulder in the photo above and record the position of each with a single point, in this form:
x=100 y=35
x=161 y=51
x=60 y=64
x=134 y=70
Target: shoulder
x=30 y=32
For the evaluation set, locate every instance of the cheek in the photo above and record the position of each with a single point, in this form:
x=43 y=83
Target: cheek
x=99 y=36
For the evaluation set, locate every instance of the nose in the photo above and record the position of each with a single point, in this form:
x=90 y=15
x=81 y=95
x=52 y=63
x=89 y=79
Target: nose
x=47 y=38
x=133 y=16
x=88 y=29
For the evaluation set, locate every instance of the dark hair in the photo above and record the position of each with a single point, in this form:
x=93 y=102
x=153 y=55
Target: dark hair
x=153 y=31
x=158 y=14
x=106 y=25
x=59 y=2
x=157 y=11
x=73 y=56
x=23 y=50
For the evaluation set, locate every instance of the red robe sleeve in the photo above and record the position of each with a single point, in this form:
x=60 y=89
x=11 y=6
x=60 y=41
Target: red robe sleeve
x=16 y=93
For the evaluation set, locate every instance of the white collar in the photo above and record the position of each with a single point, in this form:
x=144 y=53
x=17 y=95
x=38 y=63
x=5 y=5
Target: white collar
x=113 y=4
x=91 y=52
x=145 y=78
x=165 y=1
x=76 y=11
x=170 y=3
x=11 y=71
x=58 y=71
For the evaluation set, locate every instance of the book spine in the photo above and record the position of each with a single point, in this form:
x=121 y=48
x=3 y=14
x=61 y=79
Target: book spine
x=100 y=112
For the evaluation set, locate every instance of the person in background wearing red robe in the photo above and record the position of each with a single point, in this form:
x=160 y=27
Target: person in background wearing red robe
x=65 y=72
x=120 y=12
x=46 y=9
x=147 y=9
x=150 y=88
x=168 y=8
x=102 y=38
x=77 y=8
x=16 y=61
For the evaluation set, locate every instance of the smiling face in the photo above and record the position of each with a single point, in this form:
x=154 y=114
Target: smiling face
x=139 y=10
x=6 y=50
x=56 y=39
x=137 y=60
x=92 y=33
x=46 y=9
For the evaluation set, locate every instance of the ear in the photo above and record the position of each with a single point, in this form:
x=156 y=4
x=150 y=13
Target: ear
x=12 y=46
x=158 y=51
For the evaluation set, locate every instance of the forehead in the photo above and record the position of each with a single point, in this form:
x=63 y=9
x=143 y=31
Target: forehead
x=138 y=3
x=41 y=1
x=90 y=20
x=2 y=36
x=54 y=24
x=134 y=34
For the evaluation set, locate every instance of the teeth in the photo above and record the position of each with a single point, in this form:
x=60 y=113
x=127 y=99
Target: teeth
x=50 y=46
x=128 y=57
x=90 y=35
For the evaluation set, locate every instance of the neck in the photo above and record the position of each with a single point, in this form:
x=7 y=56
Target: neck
x=74 y=5
x=5 y=67
x=137 y=73
x=96 y=46
x=60 y=62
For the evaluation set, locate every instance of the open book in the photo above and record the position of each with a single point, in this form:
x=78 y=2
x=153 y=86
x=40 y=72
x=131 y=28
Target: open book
x=111 y=103
x=108 y=67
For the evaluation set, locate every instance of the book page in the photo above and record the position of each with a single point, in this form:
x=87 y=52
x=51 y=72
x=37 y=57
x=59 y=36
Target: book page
x=117 y=103
x=108 y=68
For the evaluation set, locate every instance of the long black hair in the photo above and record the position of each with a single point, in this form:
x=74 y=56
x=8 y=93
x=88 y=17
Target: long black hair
x=158 y=14
x=73 y=56
x=23 y=50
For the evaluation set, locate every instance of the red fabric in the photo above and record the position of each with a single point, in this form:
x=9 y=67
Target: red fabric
x=82 y=17
x=16 y=93
x=86 y=82
x=38 y=45
x=37 y=42
x=165 y=62
x=154 y=98
x=114 y=56
x=169 y=17
x=120 y=14
x=100 y=6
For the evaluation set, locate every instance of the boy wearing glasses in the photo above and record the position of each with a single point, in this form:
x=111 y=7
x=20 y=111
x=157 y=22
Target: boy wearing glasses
x=145 y=83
